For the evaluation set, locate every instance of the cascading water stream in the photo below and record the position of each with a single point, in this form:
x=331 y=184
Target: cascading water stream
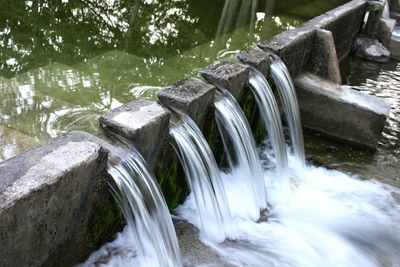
x=241 y=149
x=287 y=92
x=204 y=180
x=272 y=122
x=149 y=225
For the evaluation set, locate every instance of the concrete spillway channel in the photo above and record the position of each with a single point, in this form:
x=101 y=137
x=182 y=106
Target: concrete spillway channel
x=55 y=204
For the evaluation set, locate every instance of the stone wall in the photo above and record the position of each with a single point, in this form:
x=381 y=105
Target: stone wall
x=55 y=205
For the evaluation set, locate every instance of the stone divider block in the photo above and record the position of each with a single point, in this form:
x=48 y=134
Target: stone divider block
x=229 y=75
x=344 y=22
x=256 y=58
x=192 y=96
x=143 y=122
x=341 y=112
x=195 y=98
x=323 y=60
x=294 y=47
x=49 y=199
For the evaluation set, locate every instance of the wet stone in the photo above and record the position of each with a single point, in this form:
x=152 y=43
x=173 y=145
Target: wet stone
x=192 y=96
x=371 y=49
x=46 y=200
x=228 y=75
x=323 y=61
x=143 y=122
x=293 y=47
x=341 y=112
x=257 y=59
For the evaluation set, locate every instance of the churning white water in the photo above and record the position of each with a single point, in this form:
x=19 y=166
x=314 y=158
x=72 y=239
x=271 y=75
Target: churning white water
x=241 y=150
x=204 y=180
x=287 y=93
x=331 y=219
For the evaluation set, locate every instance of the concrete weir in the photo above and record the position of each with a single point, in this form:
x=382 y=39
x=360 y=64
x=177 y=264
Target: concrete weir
x=55 y=204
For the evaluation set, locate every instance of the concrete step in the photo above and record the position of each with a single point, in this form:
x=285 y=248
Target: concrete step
x=133 y=77
x=341 y=112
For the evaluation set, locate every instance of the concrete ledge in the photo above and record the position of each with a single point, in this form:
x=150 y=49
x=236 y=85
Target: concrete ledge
x=341 y=112
x=48 y=197
x=324 y=61
x=192 y=96
x=143 y=122
x=231 y=76
x=344 y=22
x=256 y=58
x=294 y=47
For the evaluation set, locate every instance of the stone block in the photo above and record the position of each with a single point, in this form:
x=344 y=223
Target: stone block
x=51 y=212
x=143 y=122
x=293 y=47
x=256 y=58
x=192 y=96
x=323 y=61
x=344 y=22
x=231 y=76
x=341 y=112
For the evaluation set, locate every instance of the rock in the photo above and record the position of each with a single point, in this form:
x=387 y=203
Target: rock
x=256 y=58
x=143 y=122
x=194 y=252
x=228 y=75
x=323 y=60
x=191 y=96
x=371 y=49
x=341 y=112
x=55 y=204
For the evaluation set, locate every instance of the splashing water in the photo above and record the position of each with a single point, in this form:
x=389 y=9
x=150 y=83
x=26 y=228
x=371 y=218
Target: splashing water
x=149 y=226
x=331 y=219
x=272 y=122
x=241 y=150
x=287 y=92
x=204 y=180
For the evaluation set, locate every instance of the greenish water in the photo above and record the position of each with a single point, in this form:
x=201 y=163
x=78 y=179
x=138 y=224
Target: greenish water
x=64 y=63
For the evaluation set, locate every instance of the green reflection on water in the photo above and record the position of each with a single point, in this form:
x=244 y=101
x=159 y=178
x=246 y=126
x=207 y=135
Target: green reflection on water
x=63 y=63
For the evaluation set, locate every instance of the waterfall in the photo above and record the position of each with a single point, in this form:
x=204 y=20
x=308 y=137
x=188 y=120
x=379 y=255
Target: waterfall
x=241 y=149
x=145 y=212
x=204 y=180
x=272 y=122
x=287 y=92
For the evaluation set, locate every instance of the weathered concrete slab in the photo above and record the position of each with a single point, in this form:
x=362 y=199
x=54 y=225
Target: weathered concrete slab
x=192 y=96
x=49 y=199
x=341 y=112
x=256 y=58
x=230 y=75
x=344 y=22
x=324 y=61
x=143 y=122
x=294 y=47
